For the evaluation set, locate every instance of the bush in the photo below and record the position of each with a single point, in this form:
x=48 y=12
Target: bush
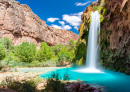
x=19 y=85
x=44 y=53
x=48 y=63
x=26 y=51
x=34 y=64
x=8 y=62
x=54 y=84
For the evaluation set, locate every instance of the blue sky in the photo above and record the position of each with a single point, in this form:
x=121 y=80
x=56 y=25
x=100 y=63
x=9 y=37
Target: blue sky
x=62 y=14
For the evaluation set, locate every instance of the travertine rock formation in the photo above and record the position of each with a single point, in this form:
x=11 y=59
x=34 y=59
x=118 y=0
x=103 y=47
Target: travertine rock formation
x=18 y=22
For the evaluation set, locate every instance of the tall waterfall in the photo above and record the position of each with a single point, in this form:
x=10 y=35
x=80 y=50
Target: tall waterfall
x=93 y=47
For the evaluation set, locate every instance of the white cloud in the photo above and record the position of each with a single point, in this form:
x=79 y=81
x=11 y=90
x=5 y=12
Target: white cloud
x=77 y=14
x=76 y=28
x=62 y=22
x=81 y=4
x=73 y=19
x=56 y=26
x=52 y=19
x=66 y=27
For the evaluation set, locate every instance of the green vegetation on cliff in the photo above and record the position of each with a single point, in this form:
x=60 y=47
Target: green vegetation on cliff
x=80 y=57
x=110 y=58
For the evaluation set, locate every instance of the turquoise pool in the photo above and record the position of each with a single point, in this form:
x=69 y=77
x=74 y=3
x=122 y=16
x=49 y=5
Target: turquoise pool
x=113 y=81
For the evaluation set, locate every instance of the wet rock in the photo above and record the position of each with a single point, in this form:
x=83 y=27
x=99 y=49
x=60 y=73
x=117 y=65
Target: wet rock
x=75 y=86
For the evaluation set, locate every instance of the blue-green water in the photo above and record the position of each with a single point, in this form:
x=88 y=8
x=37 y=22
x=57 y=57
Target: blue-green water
x=113 y=81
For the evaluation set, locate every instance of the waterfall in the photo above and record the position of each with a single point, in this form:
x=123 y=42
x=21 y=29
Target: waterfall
x=93 y=41
x=93 y=46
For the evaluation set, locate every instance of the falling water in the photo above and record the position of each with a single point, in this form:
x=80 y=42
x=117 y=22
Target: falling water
x=93 y=48
x=93 y=40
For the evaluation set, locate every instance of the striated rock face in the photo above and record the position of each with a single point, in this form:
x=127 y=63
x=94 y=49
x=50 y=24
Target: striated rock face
x=18 y=22
x=120 y=25
x=115 y=32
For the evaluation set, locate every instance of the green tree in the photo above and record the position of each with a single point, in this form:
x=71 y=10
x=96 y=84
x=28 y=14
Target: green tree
x=7 y=42
x=26 y=51
x=44 y=53
x=65 y=55
x=56 y=49
x=72 y=46
x=2 y=51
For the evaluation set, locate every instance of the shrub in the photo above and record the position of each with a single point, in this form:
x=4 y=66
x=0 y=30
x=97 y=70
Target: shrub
x=26 y=51
x=48 y=63
x=20 y=64
x=19 y=85
x=44 y=53
x=34 y=64
x=54 y=84
x=8 y=62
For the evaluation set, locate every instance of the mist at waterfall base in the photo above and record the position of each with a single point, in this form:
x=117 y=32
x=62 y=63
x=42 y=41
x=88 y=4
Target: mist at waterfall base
x=93 y=46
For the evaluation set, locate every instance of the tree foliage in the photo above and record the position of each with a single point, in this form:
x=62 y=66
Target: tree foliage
x=65 y=55
x=57 y=48
x=26 y=51
x=7 y=42
x=27 y=54
x=2 y=51
x=44 y=53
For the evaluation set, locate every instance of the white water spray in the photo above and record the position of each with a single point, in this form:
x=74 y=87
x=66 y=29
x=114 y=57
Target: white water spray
x=93 y=48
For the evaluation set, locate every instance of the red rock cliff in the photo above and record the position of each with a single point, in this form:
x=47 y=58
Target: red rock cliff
x=18 y=22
